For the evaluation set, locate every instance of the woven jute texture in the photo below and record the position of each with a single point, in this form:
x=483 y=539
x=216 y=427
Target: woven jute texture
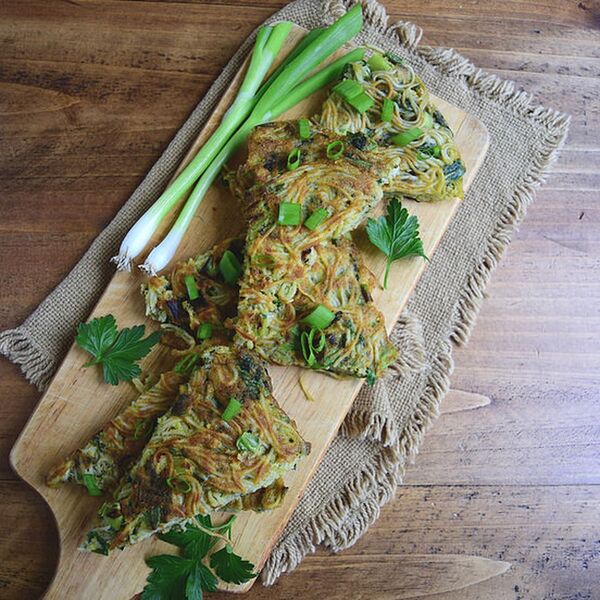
x=365 y=464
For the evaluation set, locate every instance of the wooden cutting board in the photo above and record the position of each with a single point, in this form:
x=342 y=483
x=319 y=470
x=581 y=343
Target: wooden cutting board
x=78 y=403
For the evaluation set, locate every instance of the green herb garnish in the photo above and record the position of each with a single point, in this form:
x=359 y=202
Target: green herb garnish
x=232 y=409
x=293 y=160
x=387 y=110
x=205 y=331
x=290 y=213
x=192 y=287
x=319 y=216
x=230 y=267
x=187 y=576
x=320 y=318
x=90 y=483
x=335 y=149
x=406 y=137
x=248 y=441
x=117 y=351
x=304 y=129
x=396 y=234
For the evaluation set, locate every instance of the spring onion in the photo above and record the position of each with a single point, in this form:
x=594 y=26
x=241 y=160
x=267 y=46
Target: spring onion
x=427 y=121
x=269 y=41
x=263 y=260
x=230 y=267
x=89 y=481
x=319 y=216
x=290 y=213
x=192 y=287
x=406 y=137
x=233 y=408
x=387 y=110
x=320 y=318
x=348 y=88
x=115 y=523
x=312 y=342
x=335 y=149
x=205 y=331
x=304 y=129
x=178 y=484
x=281 y=92
x=293 y=159
x=249 y=442
x=362 y=103
x=379 y=63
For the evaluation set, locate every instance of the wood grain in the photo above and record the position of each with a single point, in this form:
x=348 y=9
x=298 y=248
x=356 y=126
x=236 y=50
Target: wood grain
x=63 y=420
x=534 y=354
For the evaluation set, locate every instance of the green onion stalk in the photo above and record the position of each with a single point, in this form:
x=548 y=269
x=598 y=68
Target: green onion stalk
x=269 y=41
x=281 y=92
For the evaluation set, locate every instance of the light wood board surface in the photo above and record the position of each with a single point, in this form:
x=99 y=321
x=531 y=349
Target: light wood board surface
x=78 y=403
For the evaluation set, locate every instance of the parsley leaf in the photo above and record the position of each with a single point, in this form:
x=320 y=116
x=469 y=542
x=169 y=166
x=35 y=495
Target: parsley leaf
x=194 y=542
x=187 y=577
x=201 y=578
x=168 y=579
x=117 y=352
x=230 y=567
x=396 y=234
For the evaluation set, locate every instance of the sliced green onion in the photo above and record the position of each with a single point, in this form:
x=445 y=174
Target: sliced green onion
x=178 y=484
x=192 y=287
x=387 y=110
x=293 y=159
x=230 y=267
x=319 y=216
x=348 y=89
x=232 y=409
x=248 y=441
x=425 y=153
x=321 y=317
x=312 y=342
x=205 y=331
x=263 y=260
x=335 y=149
x=427 y=121
x=378 y=62
x=290 y=213
x=304 y=129
x=406 y=137
x=362 y=103
x=90 y=483
x=115 y=523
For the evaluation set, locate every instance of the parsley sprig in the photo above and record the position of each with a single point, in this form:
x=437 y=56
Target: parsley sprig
x=117 y=351
x=187 y=576
x=396 y=234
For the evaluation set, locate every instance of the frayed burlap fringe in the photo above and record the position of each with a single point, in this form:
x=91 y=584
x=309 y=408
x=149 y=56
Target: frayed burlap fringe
x=20 y=348
x=369 y=489
x=372 y=488
x=332 y=527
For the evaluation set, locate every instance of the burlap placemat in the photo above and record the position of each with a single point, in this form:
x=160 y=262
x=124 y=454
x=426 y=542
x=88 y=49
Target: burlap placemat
x=365 y=463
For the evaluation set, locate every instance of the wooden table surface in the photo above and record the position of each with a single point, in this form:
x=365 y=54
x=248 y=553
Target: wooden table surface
x=504 y=499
